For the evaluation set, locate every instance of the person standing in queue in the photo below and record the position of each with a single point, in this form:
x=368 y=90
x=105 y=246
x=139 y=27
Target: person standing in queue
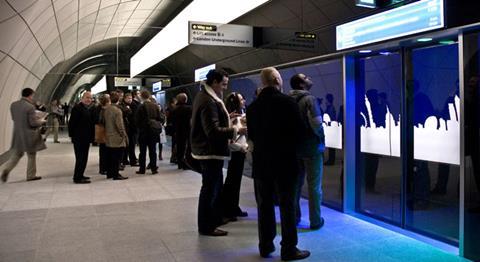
x=210 y=135
x=310 y=149
x=81 y=128
x=274 y=124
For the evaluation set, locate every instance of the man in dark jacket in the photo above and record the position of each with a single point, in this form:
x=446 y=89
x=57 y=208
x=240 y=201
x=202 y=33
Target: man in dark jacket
x=210 y=134
x=274 y=123
x=311 y=147
x=81 y=128
x=146 y=137
x=180 y=118
x=26 y=136
x=129 y=109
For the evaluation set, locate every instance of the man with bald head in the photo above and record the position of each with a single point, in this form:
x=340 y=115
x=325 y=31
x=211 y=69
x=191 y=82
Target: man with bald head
x=274 y=123
x=81 y=128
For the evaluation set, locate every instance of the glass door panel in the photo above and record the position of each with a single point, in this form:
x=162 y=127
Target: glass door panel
x=379 y=172
x=433 y=181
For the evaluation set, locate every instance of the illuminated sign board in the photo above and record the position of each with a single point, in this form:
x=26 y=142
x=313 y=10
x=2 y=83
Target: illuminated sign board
x=157 y=86
x=220 y=34
x=410 y=19
x=201 y=73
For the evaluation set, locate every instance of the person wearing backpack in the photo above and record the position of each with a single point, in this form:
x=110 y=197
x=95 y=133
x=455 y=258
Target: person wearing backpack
x=310 y=148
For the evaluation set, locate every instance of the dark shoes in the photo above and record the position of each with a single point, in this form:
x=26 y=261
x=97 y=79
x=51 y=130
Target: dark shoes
x=154 y=171
x=316 y=227
x=4 y=177
x=120 y=177
x=297 y=254
x=140 y=172
x=241 y=213
x=102 y=172
x=214 y=233
x=134 y=164
x=34 y=178
x=267 y=252
x=81 y=181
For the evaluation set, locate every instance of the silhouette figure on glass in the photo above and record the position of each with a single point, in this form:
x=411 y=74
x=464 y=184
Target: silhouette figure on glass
x=330 y=111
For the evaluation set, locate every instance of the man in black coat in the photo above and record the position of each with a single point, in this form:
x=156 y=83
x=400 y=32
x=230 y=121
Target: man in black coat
x=81 y=128
x=146 y=137
x=274 y=124
x=211 y=131
x=180 y=117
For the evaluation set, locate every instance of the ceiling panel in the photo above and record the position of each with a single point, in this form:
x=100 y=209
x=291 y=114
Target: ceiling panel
x=128 y=6
x=38 y=10
x=5 y=11
x=99 y=32
x=14 y=29
x=24 y=47
x=141 y=14
x=113 y=31
x=47 y=33
x=107 y=3
x=88 y=8
x=41 y=66
x=46 y=17
x=147 y=4
x=55 y=51
x=5 y=67
x=105 y=15
x=22 y=5
x=67 y=15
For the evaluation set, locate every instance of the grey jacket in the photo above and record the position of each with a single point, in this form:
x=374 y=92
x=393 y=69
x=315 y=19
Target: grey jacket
x=312 y=141
x=26 y=136
x=116 y=135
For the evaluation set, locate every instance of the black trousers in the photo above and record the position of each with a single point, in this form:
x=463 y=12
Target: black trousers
x=102 y=153
x=286 y=192
x=209 y=215
x=114 y=157
x=152 y=154
x=231 y=187
x=181 y=143
x=81 y=159
x=129 y=156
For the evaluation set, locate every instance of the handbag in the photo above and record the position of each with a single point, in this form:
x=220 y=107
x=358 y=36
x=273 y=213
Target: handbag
x=163 y=136
x=100 y=135
x=155 y=125
x=190 y=162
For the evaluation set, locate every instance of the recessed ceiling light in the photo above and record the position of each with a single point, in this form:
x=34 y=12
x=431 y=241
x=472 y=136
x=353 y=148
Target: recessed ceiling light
x=365 y=51
x=446 y=42
x=424 y=39
x=385 y=53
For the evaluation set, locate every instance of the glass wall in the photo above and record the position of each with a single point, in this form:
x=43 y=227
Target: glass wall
x=433 y=180
x=327 y=79
x=471 y=122
x=379 y=168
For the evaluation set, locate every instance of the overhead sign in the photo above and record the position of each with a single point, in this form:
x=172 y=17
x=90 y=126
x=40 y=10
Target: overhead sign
x=157 y=86
x=125 y=81
x=200 y=33
x=289 y=40
x=410 y=19
x=201 y=73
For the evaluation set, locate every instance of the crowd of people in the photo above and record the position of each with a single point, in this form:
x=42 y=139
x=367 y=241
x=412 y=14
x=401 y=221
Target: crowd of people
x=283 y=132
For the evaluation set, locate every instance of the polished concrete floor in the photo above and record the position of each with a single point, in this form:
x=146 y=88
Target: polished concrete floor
x=153 y=218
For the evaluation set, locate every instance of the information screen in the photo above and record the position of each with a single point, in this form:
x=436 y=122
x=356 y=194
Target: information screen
x=410 y=19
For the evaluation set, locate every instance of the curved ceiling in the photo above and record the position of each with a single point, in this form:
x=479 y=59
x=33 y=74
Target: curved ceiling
x=37 y=35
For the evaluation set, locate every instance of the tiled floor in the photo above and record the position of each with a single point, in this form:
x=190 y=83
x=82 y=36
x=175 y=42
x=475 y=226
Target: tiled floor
x=153 y=218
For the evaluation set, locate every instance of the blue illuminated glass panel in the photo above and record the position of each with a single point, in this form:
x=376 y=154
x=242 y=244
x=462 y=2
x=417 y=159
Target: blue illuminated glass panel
x=406 y=20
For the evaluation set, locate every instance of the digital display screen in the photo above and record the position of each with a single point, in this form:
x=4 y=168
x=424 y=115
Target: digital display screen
x=201 y=74
x=410 y=19
x=157 y=86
